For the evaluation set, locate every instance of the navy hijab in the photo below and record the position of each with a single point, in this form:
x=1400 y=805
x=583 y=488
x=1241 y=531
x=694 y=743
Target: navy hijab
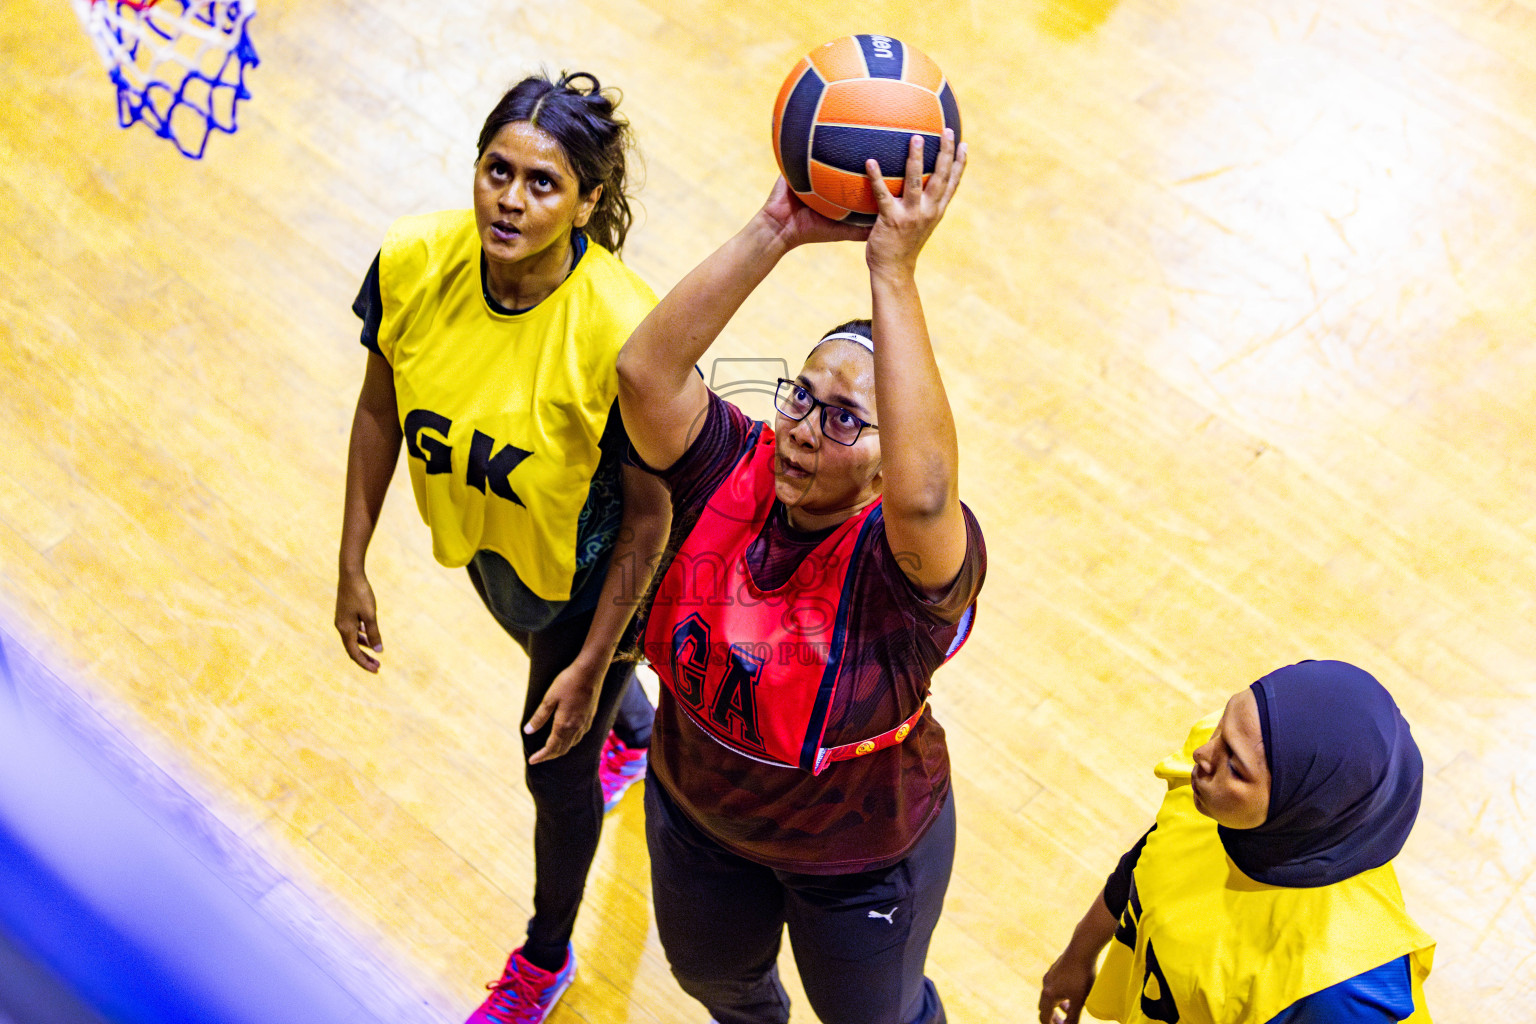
x=1345 y=778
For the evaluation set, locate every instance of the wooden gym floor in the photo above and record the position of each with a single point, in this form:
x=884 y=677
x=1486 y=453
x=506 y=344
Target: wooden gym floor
x=1235 y=311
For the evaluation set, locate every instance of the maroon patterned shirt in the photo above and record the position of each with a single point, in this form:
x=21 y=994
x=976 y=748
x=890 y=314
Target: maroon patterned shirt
x=858 y=815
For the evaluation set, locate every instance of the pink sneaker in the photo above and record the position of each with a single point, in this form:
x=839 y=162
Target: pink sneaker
x=525 y=994
x=619 y=768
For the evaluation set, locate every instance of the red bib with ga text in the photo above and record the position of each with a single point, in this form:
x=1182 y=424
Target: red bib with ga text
x=757 y=669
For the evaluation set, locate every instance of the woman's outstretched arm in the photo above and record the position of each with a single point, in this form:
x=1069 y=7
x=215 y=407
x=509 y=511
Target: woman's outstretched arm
x=371 y=456
x=1066 y=984
x=661 y=398
x=571 y=701
x=920 y=457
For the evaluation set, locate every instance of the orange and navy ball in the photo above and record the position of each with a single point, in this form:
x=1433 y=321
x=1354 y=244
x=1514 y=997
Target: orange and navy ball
x=854 y=99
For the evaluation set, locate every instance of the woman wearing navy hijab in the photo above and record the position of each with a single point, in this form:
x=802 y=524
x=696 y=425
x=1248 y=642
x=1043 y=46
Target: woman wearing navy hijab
x=1264 y=893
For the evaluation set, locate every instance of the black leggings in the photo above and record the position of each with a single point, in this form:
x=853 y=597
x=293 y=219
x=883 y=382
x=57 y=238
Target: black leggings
x=567 y=799
x=860 y=940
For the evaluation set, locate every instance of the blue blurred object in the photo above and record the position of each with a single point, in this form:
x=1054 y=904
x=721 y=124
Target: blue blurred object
x=29 y=994
x=123 y=900
x=64 y=939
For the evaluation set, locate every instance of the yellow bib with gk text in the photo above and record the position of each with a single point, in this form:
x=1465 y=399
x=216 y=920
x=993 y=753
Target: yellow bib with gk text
x=502 y=414
x=1202 y=943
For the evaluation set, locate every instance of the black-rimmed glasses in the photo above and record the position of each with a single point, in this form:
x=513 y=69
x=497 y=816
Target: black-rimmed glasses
x=837 y=423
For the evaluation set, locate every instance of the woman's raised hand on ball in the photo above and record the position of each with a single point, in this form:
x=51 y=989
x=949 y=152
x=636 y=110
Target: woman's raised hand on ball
x=906 y=221
x=796 y=224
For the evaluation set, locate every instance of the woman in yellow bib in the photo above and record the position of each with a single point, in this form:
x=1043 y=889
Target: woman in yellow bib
x=492 y=336
x=1264 y=893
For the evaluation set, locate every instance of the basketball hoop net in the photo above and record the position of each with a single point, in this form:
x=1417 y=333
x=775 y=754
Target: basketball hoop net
x=179 y=65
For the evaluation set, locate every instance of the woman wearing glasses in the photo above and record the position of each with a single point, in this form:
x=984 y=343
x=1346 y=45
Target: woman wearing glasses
x=823 y=567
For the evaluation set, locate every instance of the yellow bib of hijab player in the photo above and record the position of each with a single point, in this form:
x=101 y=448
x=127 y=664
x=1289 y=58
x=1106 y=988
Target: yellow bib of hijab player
x=1201 y=943
x=502 y=414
